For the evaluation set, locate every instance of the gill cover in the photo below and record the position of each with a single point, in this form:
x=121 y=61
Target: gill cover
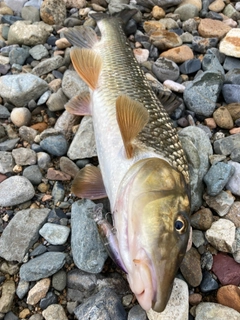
x=152 y=210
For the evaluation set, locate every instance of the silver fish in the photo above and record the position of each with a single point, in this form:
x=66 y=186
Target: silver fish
x=143 y=169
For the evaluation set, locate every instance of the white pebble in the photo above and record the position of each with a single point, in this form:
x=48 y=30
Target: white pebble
x=20 y=116
x=174 y=86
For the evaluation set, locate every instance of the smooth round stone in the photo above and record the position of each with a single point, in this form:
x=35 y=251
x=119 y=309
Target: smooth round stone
x=137 y=313
x=20 y=116
x=179 y=54
x=234 y=183
x=223 y=118
x=190 y=66
x=234 y=110
x=202 y=219
x=23 y=191
x=208 y=282
x=59 y=280
x=191 y=268
x=231 y=93
x=231 y=63
x=187 y=11
x=54 y=233
x=165 y=69
x=229 y=296
x=55 y=145
x=53 y=310
x=33 y=174
x=51 y=298
x=43 y=160
x=210 y=310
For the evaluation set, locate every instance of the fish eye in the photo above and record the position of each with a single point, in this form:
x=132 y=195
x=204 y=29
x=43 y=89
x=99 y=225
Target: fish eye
x=180 y=225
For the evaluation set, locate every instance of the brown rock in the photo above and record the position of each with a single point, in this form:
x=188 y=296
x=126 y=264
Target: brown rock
x=55 y=85
x=202 y=219
x=39 y=291
x=210 y=123
x=217 y=6
x=179 y=54
x=165 y=40
x=62 y=43
x=226 y=269
x=223 y=118
x=53 y=12
x=40 y=126
x=234 y=214
x=209 y=28
x=24 y=313
x=229 y=296
x=230 y=45
x=68 y=166
x=191 y=267
x=153 y=26
x=195 y=299
x=5 y=9
x=234 y=110
x=53 y=174
x=158 y=13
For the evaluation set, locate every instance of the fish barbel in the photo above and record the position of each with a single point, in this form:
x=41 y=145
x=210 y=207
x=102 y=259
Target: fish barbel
x=143 y=169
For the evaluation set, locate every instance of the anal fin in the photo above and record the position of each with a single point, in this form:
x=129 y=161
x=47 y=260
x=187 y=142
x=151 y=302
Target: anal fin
x=88 y=65
x=132 y=116
x=88 y=184
x=79 y=105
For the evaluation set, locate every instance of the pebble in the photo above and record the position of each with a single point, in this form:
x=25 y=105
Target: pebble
x=22 y=231
x=231 y=93
x=33 y=174
x=6 y=162
x=88 y=256
x=20 y=116
x=39 y=52
x=72 y=84
x=177 y=307
x=58 y=192
x=226 y=269
x=209 y=28
x=22 y=289
x=43 y=160
x=30 y=13
x=210 y=310
x=198 y=238
x=202 y=219
x=23 y=191
x=55 y=145
x=24 y=156
x=165 y=69
x=187 y=11
x=39 y=291
x=48 y=65
x=229 y=296
x=234 y=213
x=223 y=118
x=54 y=311
x=191 y=268
x=217 y=177
x=54 y=233
x=174 y=86
x=51 y=298
x=234 y=183
x=20 y=89
x=137 y=313
x=7 y=296
x=53 y=12
x=220 y=203
x=226 y=145
x=208 y=282
x=230 y=43
x=190 y=66
x=57 y=100
x=59 y=280
x=57 y=175
x=179 y=54
x=43 y=266
x=68 y=166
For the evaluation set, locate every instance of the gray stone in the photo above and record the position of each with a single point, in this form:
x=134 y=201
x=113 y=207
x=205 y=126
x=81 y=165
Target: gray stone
x=23 y=191
x=58 y=192
x=197 y=148
x=33 y=174
x=88 y=251
x=22 y=32
x=36 y=316
x=28 y=134
x=4 y=113
x=65 y=123
x=236 y=254
x=217 y=177
x=198 y=238
x=83 y=144
x=20 y=89
x=44 y=98
x=8 y=145
x=10 y=316
x=54 y=311
x=34 y=3
x=234 y=183
x=103 y=305
x=202 y=93
x=231 y=92
x=210 y=310
x=165 y=69
x=72 y=84
x=56 y=145
x=18 y=55
x=51 y=298
x=39 y=52
x=43 y=160
x=54 y=233
x=8 y=292
x=220 y=203
x=187 y=11
x=24 y=156
x=235 y=155
x=6 y=162
x=226 y=145
x=57 y=101
x=59 y=280
x=30 y=13
x=15 y=5
x=48 y=65
x=137 y=313
x=22 y=289
x=43 y=266
x=21 y=233
x=210 y=62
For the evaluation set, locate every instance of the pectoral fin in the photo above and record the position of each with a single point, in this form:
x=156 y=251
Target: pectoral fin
x=79 y=105
x=132 y=116
x=88 y=65
x=88 y=184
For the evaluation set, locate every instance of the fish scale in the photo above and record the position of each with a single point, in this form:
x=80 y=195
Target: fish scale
x=159 y=133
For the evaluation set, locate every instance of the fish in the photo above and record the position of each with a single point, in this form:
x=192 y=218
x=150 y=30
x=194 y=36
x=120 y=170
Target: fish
x=142 y=167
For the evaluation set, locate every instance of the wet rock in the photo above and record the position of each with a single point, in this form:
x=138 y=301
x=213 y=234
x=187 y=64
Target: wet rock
x=208 y=310
x=220 y=203
x=38 y=292
x=54 y=233
x=88 y=255
x=106 y=305
x=191 y=267
x=229 y=296
x=20 y=89
x=23 y=191
x=226 y=269
x=7 y=297
x=202 y=219
x=22 y=233
x=54 y=311
x=43 y=266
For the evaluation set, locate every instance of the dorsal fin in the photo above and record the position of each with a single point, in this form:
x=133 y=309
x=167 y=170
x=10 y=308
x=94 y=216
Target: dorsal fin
x=88 y=184
x=81 y=36
x=132 y=116
x=79 y=105
x=88 y=65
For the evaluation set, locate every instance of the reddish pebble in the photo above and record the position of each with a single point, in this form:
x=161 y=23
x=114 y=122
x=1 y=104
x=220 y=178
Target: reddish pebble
x=210 y=123
x=195 y=299
x=2 y=177
x=229 y=296
x=53 y=174
x=226 y=269
x=234 y=130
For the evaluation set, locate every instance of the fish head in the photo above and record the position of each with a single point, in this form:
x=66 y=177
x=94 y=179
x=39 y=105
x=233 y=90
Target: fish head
x=155 y=207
